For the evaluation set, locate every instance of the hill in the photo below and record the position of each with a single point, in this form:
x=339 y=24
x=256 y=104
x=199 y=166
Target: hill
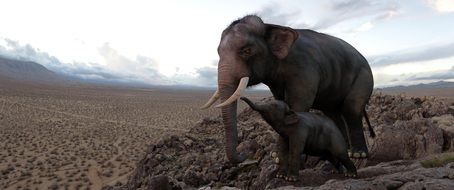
x=433 y=85
x=27 y=71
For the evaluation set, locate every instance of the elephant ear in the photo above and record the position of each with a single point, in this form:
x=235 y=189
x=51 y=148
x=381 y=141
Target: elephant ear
x=280 y=39
x=291 y=118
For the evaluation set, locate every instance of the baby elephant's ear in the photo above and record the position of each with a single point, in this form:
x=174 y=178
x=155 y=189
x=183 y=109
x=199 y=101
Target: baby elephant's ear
x=291 y=118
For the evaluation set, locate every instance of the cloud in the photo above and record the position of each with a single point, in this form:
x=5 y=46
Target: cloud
x=443 y=6
x=140 y=70
x=87 y=71
x=14 y=50
x=436 y=51
x=440 y=75
x=272 y=13
x=207 y=73
x=389 y=14
x=341 y=11
x=371 y=12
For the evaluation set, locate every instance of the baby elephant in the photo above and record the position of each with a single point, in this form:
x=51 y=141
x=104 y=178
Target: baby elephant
x=306 y=133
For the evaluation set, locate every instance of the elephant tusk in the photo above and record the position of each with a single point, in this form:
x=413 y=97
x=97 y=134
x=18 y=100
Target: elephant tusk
x=211 y=100
x=236 y=94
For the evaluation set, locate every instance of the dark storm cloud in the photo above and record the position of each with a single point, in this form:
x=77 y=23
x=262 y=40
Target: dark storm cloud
x=438 y=51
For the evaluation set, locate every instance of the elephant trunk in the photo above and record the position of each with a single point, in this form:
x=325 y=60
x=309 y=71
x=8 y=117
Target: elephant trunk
x=231 y=85
x=251 y=104
x=229 y=119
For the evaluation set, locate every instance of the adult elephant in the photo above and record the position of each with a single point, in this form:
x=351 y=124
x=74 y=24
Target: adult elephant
x=304 y=68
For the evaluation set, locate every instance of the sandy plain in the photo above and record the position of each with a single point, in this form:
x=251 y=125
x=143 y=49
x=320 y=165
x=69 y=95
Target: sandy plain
x=85 y=136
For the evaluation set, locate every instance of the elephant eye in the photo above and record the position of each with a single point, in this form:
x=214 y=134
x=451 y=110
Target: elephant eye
x=245 y=52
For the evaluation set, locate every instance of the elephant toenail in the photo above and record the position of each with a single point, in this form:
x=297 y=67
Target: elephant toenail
x=363 y=155
x=276 y=160
x=356 y=155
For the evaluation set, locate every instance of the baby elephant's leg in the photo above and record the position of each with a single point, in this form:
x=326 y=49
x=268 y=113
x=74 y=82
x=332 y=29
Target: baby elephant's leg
x=296 y=147
x=282 y=157
x=351 y=169
x=336 y=163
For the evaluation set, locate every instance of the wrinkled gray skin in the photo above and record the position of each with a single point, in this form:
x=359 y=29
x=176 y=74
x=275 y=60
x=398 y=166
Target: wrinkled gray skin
x=306 y=133
x=304 y=68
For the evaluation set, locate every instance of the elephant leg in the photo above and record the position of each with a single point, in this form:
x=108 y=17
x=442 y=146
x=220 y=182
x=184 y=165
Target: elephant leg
x=296 y=147
x=278 y=93
x=340 y=123
x=335 y=162
x=351 y=169
x=283 y=157
x=352 y=111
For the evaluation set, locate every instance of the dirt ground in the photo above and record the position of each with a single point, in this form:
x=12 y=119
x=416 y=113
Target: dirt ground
x=86 y=137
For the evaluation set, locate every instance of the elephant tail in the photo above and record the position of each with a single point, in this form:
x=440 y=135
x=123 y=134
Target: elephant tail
x=371 y=130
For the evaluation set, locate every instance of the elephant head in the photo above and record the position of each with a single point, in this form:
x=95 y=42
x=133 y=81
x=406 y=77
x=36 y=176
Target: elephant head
x=276 y=112
x=248 y=52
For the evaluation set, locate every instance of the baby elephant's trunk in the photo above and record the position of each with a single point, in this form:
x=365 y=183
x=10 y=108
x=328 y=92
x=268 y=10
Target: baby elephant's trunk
x=251 y=104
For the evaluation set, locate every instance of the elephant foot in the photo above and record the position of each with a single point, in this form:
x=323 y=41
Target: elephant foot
x=280 y=175
x=337 y=171
x=351 y=174
x=291 y=178
x=281 y=171
x=358 y=154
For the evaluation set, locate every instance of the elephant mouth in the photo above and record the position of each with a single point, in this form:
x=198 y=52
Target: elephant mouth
x=237 y=94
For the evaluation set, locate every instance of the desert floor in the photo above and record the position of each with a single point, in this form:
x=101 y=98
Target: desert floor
x=85 y=137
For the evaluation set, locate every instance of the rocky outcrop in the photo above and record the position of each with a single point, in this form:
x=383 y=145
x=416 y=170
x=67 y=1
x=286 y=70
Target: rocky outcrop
x=407 y=129
x=396 y=175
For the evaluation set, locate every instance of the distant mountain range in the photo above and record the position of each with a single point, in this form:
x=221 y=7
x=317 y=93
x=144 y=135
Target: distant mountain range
x=433 y=85
x=32 y=72
x=26 y=71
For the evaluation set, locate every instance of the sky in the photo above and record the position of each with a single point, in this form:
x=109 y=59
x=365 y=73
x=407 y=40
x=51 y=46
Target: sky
x=174 y=42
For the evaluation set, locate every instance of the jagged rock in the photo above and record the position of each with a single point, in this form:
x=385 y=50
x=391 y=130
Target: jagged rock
x=446 y=124
x=159 y=183
x=411 y=139
x=420 y=178
x=450 y=110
